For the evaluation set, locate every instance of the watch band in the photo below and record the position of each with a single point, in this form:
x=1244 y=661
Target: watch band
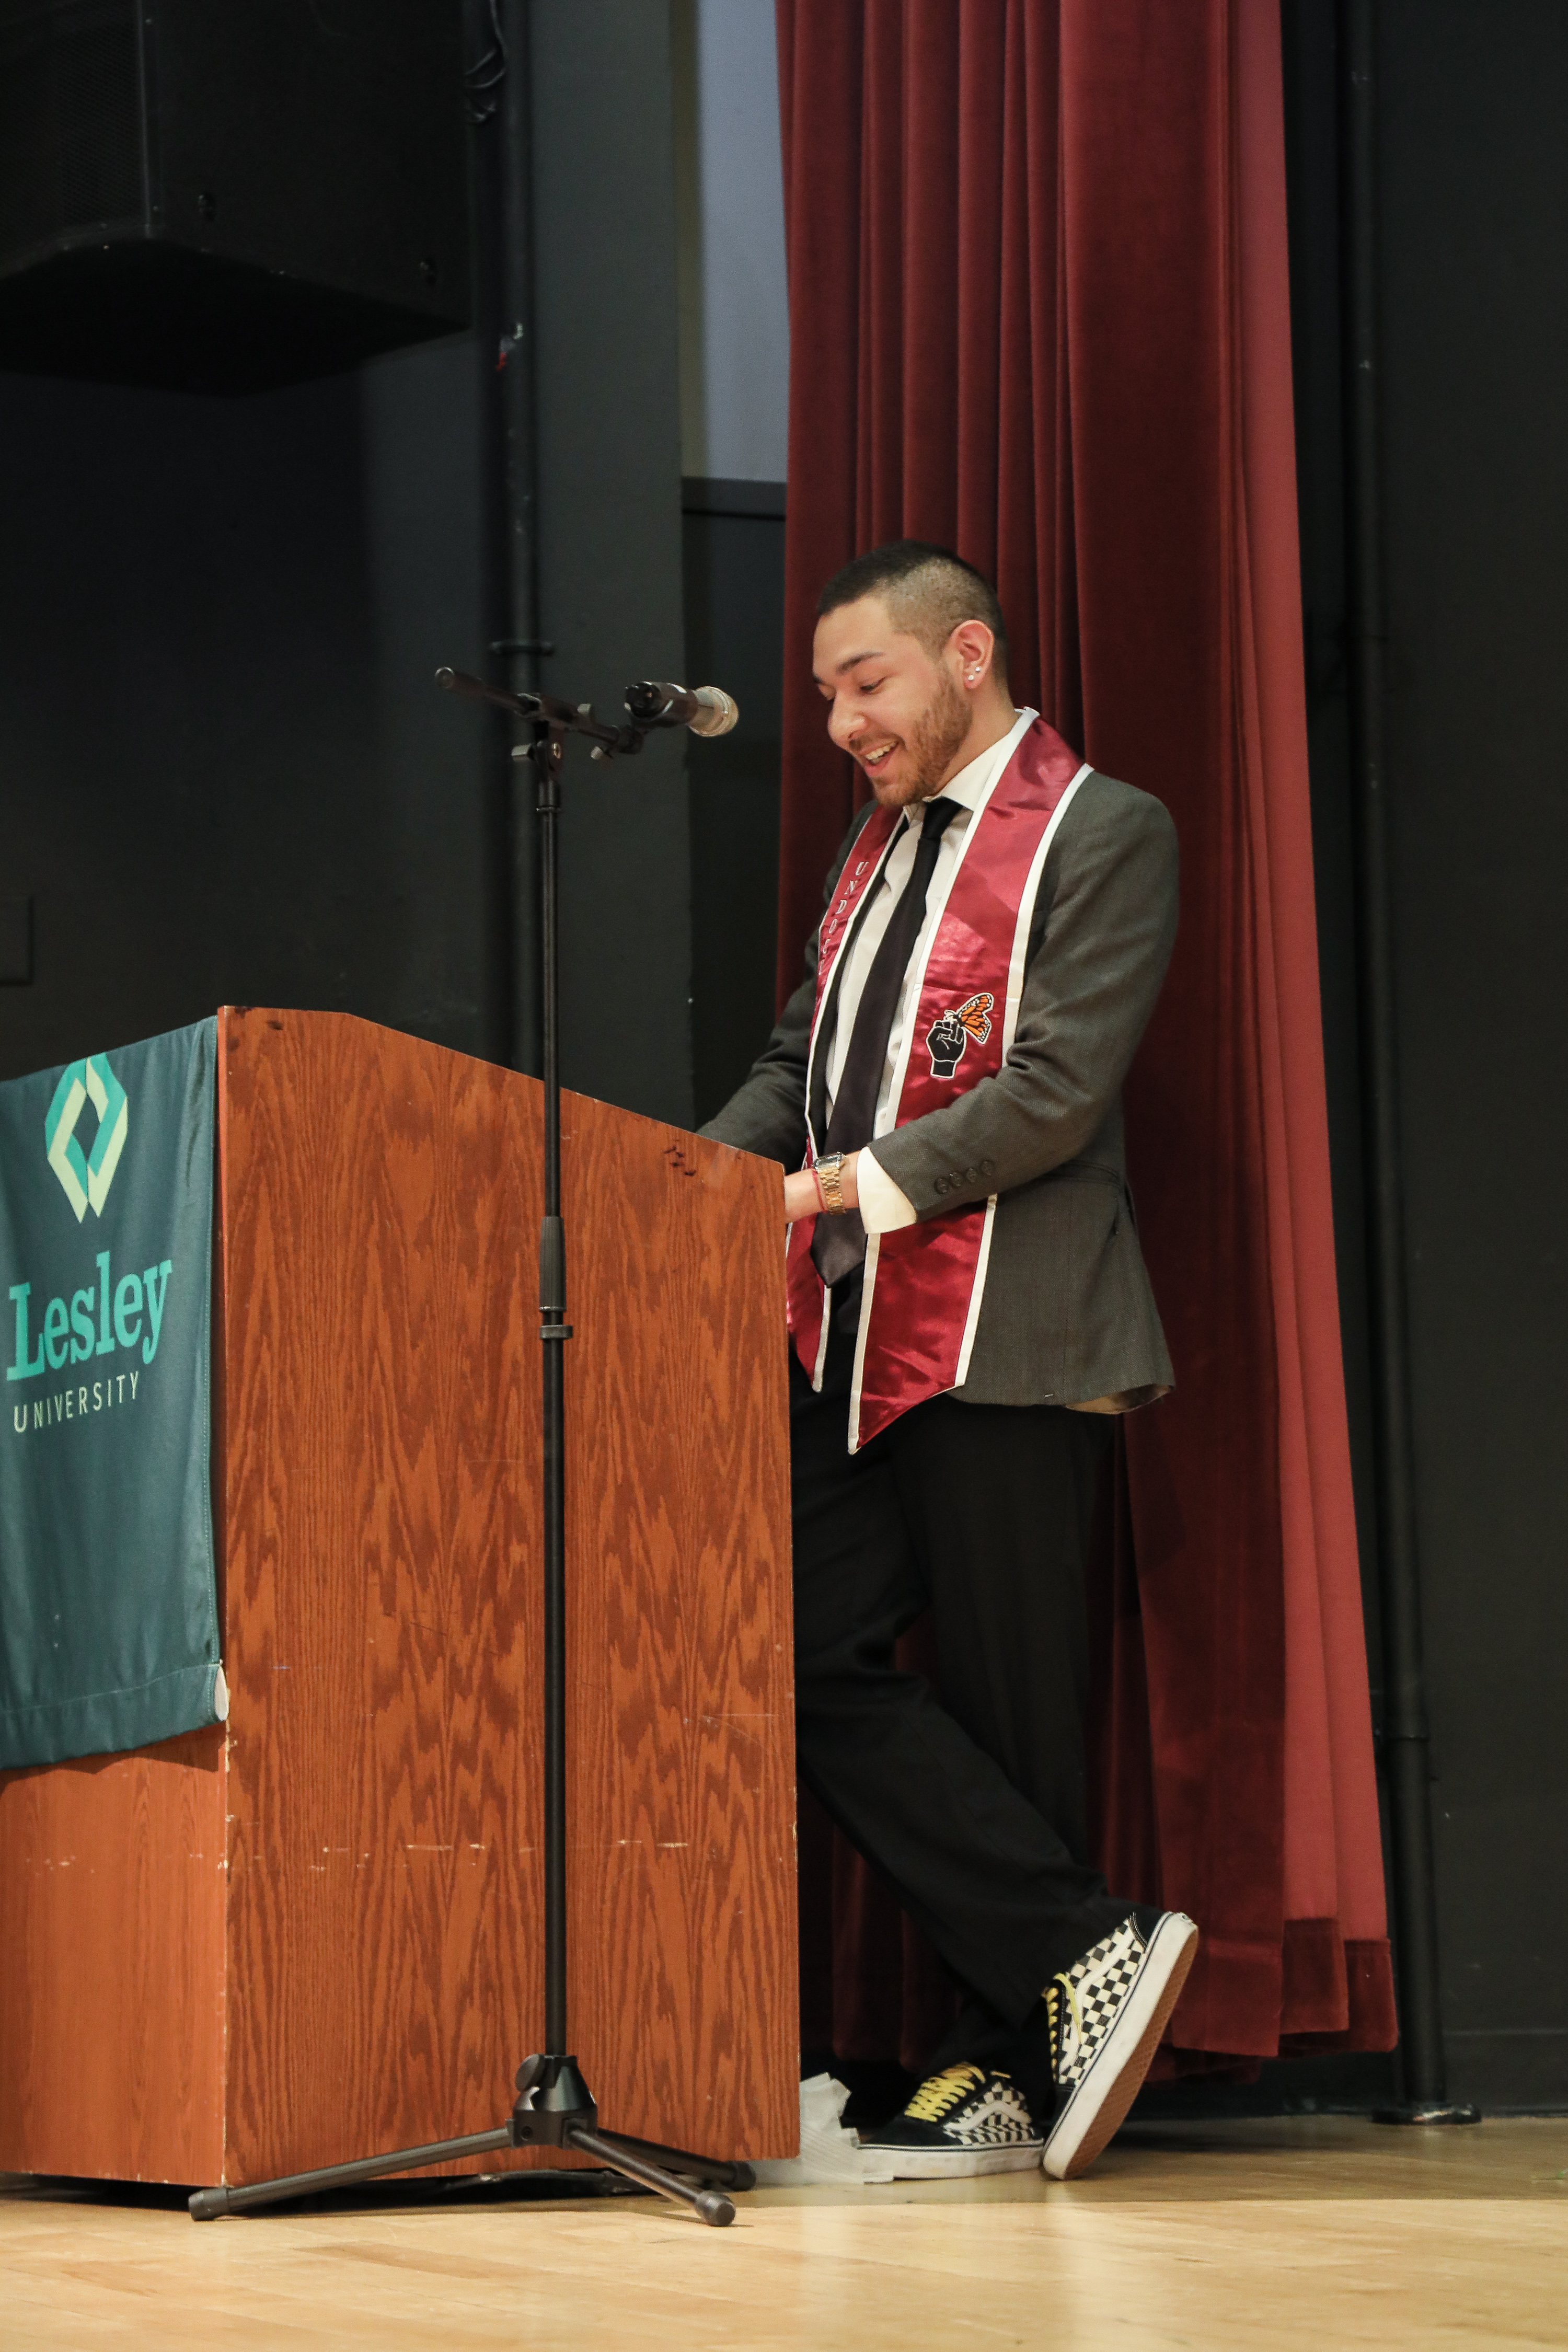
x=829 y=1174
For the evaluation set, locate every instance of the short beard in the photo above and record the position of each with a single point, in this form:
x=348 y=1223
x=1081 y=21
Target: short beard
x=933 y=741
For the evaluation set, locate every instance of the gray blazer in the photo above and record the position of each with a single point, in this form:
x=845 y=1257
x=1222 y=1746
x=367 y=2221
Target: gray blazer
x=1069 y=1317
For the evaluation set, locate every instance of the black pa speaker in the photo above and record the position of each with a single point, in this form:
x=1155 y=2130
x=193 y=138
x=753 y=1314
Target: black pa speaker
x=226 y=194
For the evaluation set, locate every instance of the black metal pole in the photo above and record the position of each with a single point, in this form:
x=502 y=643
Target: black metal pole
x=1406 y=1732
x=553 y=1333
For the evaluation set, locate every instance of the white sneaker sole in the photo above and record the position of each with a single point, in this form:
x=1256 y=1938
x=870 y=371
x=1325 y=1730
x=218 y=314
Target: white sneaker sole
x=958 y=2163
x=1096 y=2111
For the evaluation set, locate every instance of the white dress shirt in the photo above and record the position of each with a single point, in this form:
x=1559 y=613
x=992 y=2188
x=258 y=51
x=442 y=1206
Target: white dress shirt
x=883 y=1206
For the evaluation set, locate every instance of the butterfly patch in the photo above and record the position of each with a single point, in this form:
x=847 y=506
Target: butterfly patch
x=948 y=1038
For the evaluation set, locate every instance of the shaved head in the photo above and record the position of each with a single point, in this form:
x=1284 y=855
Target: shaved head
x=926 y=589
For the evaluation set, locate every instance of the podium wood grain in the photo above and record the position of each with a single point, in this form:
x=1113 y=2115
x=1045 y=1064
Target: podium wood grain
x=367 y=1965
x=112 y=1964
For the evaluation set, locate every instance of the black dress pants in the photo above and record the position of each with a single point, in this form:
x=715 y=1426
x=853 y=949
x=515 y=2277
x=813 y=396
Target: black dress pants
x=972 y=1810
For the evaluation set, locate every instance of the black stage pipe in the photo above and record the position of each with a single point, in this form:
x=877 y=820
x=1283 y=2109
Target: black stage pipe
x=500 y=111
x=520 y=645
x=1406 y=1733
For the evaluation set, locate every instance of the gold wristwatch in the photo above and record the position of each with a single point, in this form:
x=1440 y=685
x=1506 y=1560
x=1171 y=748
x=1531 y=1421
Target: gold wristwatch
x=830 y=1181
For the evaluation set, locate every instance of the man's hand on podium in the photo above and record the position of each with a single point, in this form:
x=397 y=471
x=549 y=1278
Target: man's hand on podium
x=801 y=1196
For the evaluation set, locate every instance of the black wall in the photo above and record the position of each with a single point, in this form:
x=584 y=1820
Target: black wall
x=610 y=532
x=1474 y=262
x=734 y=629
x=225 y=772
x=1475 y=356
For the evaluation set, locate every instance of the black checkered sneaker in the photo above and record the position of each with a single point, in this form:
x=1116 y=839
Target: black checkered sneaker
x=961 y=2122
x=1107 y=2014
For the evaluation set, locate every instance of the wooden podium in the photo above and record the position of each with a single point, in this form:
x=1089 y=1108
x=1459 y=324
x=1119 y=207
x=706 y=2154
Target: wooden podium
x=313 y=1933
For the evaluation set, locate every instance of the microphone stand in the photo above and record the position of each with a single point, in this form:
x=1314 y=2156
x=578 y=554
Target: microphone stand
x=554 y=2107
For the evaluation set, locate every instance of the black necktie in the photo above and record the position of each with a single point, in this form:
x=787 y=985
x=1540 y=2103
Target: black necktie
x=839 y=1244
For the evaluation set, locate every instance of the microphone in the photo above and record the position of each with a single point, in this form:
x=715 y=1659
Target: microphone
x=706 y=710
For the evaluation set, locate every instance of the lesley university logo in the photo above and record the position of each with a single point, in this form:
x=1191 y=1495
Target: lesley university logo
x=85 y=1179
x=119 y=1315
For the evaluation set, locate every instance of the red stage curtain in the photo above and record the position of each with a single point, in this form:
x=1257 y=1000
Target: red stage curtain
x=1039 y=313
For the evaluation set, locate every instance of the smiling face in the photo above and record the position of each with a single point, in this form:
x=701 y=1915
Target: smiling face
x=910 y=719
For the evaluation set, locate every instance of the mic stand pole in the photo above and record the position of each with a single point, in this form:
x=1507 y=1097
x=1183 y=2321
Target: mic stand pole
x=554 y=2107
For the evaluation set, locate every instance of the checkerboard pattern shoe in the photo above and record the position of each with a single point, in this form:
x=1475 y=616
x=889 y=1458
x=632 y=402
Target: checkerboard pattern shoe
x=1106 y=2013
x=960 y=2123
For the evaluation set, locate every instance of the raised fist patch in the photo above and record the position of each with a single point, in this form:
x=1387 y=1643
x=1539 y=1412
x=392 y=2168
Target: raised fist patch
x=950 y=1032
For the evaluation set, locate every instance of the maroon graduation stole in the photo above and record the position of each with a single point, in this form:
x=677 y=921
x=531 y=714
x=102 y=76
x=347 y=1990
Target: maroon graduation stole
x=924 y=1283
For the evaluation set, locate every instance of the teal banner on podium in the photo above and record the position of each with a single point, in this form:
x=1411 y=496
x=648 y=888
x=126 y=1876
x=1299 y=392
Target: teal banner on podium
x=109 y=1631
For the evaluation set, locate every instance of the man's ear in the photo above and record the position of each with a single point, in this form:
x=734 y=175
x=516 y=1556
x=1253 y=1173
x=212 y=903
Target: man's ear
x=975 y=647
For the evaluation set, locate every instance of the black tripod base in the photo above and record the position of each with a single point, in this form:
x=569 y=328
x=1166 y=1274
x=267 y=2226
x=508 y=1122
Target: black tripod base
x=655 y=2171
x=554 y=2109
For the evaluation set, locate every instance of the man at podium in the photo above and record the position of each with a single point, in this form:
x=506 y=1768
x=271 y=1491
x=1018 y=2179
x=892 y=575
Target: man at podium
x=968 y=1306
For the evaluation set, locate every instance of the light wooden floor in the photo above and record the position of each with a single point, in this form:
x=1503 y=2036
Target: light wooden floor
x=1324 y=2233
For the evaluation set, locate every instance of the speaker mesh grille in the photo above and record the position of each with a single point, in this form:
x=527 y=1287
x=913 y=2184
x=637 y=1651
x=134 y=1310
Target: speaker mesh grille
x=70 y=117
